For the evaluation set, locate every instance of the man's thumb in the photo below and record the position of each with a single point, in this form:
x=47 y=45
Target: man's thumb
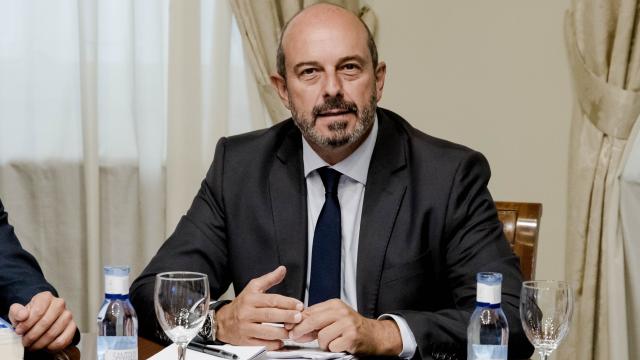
x=268 y=280
x=18 y=313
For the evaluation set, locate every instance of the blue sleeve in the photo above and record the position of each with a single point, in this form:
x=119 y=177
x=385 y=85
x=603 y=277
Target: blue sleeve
x=20 y=274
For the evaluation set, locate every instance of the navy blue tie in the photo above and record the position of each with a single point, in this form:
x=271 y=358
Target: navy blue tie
x=327 y=243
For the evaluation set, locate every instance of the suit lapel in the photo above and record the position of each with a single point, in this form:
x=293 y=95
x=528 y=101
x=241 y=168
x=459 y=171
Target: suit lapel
x=287 y=190
x=386 y=185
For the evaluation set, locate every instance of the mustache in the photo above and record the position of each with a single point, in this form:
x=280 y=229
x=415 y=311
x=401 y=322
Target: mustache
x=334 y=103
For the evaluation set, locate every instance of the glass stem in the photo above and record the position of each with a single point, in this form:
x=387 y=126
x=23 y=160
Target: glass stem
x=543 y=355
x=182 y=351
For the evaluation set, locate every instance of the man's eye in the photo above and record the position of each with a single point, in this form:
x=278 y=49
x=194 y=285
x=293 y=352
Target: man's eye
x=350 y=67
x=308 y=71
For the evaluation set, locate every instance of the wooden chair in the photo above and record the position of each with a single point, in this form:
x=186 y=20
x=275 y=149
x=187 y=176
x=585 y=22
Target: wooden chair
x=521 y=223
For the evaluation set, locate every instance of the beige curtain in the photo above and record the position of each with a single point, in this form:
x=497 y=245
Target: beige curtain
x=260 y=22
x=109 y=115
x=604 y=57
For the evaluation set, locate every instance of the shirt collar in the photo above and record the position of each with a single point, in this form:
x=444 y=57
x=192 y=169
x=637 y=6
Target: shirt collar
x=355 y=166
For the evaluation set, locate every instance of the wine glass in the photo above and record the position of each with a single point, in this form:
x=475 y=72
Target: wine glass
x=546 y=307
x=181 y=301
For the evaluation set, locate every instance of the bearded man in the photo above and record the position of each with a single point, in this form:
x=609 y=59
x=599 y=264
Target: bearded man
x=344 y=223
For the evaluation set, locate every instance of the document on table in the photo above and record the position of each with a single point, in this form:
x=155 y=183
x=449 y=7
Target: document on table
x=292 y=350
x=310 y=350
x=243 y=352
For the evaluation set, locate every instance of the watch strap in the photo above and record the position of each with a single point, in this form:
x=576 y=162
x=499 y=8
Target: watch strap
x=216 y=305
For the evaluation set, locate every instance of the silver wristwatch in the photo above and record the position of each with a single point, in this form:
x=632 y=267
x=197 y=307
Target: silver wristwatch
x=210 y=326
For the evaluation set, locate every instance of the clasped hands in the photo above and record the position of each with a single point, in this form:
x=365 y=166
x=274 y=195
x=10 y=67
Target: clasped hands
x=44 y=323
x=335 y=325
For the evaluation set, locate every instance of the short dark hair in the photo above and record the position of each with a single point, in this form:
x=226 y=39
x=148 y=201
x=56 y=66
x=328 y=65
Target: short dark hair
x=280 y=61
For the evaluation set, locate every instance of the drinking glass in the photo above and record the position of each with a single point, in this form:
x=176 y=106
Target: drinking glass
x=181 y=301
x=546 y=307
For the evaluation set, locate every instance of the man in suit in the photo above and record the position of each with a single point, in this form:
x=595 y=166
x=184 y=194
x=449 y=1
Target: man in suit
x=27 y=300
x=343 y=223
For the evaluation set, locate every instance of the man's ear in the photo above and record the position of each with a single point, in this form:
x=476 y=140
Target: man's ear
x=280 y=84
x=381 y=73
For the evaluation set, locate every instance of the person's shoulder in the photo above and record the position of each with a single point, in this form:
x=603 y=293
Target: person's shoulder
x=258 y=147
x=434 y=157
x=425 y=144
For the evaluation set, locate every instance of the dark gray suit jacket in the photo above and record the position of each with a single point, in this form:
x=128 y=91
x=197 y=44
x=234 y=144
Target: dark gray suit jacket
x=428 y=226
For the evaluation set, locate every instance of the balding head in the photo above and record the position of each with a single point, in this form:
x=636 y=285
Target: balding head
x=323 y=14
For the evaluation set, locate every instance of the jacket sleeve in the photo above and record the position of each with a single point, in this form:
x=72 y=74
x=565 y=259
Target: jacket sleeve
x=198 y=244
x=20 y=275
x=473 y=241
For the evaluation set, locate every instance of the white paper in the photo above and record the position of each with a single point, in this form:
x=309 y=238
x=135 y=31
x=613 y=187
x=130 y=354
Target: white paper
x=292 y=350
x=310 y=350
x=243 y=352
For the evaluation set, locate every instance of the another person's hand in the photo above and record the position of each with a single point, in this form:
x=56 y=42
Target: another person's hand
x=44 y=323
x=241 y=321
x=339 y=328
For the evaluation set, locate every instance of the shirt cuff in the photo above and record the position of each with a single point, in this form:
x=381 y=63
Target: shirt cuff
x=409 y=344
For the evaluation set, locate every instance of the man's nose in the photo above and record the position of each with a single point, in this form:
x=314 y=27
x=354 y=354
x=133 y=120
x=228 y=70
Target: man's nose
x=333 y=85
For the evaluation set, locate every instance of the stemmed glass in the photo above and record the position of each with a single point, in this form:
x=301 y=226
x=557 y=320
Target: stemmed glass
x=181 y=301
x=546 y=307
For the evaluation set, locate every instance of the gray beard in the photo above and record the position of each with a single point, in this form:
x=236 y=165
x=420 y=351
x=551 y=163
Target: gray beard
x=340 y=135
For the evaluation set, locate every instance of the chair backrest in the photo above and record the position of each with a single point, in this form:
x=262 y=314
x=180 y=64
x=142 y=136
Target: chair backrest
x=521 y=223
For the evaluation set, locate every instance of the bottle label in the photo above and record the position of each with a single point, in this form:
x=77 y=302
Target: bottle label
x=117 y=348
x=488 y=352
x=118 y=285
x=489 y=294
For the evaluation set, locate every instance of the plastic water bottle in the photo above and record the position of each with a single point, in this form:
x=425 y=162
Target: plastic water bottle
x=488 y=331
x=117 y=320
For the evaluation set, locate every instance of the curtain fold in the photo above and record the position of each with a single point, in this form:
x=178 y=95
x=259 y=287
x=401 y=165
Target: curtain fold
x=604 y=58
x=87 y=29
x=184 y=108
x=260 y=24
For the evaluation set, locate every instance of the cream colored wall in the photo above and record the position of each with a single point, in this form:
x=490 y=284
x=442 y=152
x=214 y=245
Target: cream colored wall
x=491 y=75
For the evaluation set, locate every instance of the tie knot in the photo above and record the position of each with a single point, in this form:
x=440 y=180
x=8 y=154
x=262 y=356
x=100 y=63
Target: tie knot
x=330 y=179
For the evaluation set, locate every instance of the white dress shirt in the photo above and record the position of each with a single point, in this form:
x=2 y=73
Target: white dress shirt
x=351 y=189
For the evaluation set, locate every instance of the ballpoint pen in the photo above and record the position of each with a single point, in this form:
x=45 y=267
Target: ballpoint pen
x=212 y=351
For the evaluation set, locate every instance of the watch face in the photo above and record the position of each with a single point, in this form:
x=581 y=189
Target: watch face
x=205 y=331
